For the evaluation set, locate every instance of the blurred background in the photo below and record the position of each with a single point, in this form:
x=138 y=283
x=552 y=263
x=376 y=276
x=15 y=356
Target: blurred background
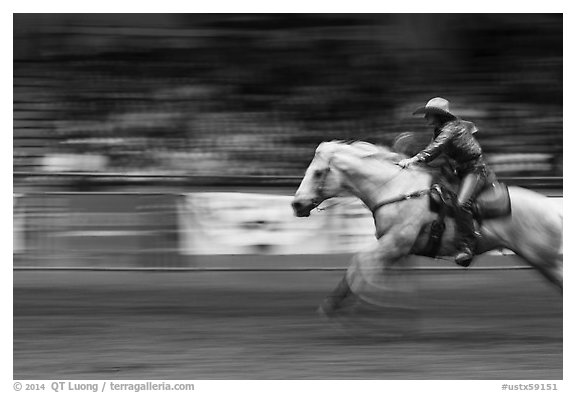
x=233 y=95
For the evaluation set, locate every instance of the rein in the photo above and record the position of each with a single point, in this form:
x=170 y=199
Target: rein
x=321 y=209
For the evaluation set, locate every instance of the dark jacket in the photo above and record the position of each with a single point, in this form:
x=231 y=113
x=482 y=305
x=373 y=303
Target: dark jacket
x=454 y=139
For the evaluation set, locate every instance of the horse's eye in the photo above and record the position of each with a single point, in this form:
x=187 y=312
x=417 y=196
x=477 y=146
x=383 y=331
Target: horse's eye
x=318 y=174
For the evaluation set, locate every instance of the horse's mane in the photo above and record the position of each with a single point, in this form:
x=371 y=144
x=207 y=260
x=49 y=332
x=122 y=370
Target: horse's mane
x=362 y=149
x=439 y=168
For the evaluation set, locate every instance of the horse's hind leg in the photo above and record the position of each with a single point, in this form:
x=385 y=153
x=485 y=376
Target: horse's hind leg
x=550 y=266
x=553 y=271
x=552 y=274
x=557 y=273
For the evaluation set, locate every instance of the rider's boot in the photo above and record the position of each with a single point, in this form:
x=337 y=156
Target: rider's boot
x=334 y=300
x=466 y=235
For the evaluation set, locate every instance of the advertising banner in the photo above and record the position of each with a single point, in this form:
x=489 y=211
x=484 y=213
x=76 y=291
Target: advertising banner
x=247 y=223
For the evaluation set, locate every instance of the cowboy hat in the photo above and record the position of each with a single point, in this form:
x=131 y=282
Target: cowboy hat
x=436 y=106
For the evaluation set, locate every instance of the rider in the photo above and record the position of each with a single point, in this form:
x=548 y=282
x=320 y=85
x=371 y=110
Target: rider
x=455 y=138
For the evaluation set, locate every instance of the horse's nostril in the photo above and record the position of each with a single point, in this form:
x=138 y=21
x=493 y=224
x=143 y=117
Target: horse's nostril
x=297 y=205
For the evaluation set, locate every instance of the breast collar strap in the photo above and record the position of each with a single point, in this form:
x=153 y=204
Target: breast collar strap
x=400 y=198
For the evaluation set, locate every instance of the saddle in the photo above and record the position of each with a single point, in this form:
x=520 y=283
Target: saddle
x=492 y=202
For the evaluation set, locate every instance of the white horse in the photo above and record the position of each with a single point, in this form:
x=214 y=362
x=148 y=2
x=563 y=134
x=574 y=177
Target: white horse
x=400 y=207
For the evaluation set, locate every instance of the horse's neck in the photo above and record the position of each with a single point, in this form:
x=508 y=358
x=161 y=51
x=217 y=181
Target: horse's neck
x=375 y=181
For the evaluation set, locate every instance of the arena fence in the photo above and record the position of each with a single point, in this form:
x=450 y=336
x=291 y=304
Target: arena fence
x=247 y=270
x=154 y=232
x=98 y=179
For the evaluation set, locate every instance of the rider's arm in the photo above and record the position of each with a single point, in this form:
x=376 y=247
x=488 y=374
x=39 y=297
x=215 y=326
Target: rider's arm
x=436 y=147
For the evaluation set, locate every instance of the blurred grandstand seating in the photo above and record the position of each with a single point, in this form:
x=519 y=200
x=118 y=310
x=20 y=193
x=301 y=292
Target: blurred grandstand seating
x=254 y=94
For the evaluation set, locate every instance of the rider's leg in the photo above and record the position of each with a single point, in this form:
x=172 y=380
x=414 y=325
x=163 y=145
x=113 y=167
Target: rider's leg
x=466 y=236
x=471 y=185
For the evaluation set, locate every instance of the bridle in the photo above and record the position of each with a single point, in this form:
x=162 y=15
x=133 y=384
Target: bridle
x=320 y=195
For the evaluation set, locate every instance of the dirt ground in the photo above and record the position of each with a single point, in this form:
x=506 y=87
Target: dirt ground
x=262 y=325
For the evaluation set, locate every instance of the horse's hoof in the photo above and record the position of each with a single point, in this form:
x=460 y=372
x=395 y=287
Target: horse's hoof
x=324 y=312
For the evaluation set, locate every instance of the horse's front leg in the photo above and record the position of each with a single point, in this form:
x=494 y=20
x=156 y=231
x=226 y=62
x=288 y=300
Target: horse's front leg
x=369 y=266
x=335 y=299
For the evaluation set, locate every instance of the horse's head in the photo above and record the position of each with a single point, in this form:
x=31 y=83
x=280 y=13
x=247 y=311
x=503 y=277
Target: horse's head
x=340 y=169
x=321 y=181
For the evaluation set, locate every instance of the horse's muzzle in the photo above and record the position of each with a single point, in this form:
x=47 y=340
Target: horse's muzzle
x=301 y=209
